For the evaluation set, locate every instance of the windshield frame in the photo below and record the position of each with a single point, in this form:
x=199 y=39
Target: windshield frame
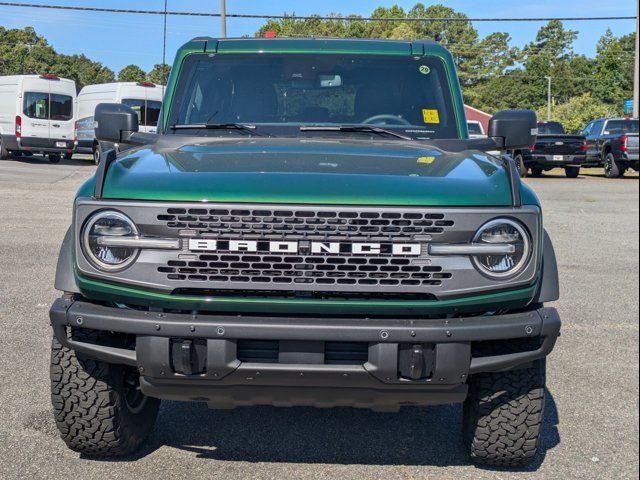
x=449 y=84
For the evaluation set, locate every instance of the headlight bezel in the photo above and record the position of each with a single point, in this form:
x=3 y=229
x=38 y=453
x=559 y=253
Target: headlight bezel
x=97 y=263
x=521 y=266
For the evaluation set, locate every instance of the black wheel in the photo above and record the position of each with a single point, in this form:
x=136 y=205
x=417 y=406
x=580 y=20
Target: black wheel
x=68 y=156
x=97 y=153
x=99 y=409
x=572 y=172
x=536 y=172
x=522 y=168
x=611 y=167
x=503 y=416
x=54 y=158
x=4 y=153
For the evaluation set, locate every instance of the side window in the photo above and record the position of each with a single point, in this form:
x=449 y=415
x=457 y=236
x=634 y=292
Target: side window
x=61 y=107
x=587 y=130
x=36 y=105
x=153 y=113
x=137 y=105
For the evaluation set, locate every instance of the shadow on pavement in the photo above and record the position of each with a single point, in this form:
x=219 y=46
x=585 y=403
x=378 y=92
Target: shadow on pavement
x=38 y=159
x=416 y=436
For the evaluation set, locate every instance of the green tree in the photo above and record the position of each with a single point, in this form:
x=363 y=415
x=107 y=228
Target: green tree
x=131 y=73
x=613 y=80
x=159 y=74
x=579 y=111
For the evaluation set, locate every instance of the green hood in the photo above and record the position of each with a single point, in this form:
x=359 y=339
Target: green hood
x=303 y=171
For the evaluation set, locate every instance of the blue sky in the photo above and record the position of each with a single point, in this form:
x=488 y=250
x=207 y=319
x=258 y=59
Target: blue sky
x=118 y=40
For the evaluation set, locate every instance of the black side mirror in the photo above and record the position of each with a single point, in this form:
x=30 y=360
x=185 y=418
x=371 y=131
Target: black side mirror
x=115 y=122
x=514 y=129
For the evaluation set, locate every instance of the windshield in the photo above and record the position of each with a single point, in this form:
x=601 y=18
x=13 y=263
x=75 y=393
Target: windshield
x=407 y=94
x=622 y=126
x=550 y=128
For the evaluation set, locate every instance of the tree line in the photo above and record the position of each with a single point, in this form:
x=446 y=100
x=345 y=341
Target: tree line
x=23 y=52
x=494 y=74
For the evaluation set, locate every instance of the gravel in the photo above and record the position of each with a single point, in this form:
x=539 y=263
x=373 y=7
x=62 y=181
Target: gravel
x=591 y=427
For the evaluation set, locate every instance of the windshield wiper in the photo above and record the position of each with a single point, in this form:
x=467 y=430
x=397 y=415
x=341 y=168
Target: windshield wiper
x=214 y=126
x=352 y=128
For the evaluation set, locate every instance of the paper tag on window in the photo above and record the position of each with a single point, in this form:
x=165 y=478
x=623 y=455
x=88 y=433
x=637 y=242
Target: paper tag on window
x=430 y=116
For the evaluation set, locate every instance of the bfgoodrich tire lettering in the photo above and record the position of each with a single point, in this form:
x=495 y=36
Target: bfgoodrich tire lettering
x=91 y=403
x=503 y=416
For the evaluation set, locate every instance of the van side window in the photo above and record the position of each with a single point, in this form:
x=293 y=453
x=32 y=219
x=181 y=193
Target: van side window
x=148 y=110
x=36 y=105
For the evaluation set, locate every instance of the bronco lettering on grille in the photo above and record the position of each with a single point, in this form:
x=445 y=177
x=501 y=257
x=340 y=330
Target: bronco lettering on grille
x=319 y=248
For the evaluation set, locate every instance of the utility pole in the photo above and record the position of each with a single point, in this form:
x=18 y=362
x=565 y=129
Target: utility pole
x=548 y=97
x=223 y=17
x=636 y=80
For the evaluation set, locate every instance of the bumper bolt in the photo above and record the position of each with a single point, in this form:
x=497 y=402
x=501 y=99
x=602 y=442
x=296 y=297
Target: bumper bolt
x=384 y=334
x=157 y=327
x=79 y=320
x=220 y=331
x=192 y=328
x=528 y=329
x=449 y=334
x=413 y=333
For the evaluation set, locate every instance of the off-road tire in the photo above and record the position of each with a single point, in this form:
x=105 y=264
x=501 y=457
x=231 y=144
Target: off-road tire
x=536 y=172
x=611 y=167
x=522 y=168
x=90 y=406
x=54 y=158
x=503 y=416
x=572 y=172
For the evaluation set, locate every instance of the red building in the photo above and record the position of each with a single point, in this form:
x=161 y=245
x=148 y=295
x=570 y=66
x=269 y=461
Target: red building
x=479 y=115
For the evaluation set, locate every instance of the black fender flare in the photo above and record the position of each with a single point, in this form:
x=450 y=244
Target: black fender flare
x=65 y=277
x=549 y=290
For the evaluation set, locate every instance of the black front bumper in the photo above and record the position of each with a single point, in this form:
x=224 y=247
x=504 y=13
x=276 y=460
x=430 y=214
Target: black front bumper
x=225 y=381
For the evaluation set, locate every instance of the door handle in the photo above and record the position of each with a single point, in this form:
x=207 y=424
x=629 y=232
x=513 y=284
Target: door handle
x=56 y=125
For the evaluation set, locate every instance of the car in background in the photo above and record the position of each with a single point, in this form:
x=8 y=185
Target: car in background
x=612 y=143
x=37 y=115
x=476 y=130
x=144 y=97
x=554 y=148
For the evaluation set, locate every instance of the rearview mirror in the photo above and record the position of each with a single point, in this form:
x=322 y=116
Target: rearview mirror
x=514 y=129
x=115 y=122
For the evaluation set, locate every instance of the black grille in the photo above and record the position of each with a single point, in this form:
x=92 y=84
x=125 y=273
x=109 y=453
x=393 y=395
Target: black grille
x=335 y=353
x=260 y=269
x=272 y=224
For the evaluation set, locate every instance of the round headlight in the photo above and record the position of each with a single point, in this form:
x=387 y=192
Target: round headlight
x=503 y=232
x=102 y=256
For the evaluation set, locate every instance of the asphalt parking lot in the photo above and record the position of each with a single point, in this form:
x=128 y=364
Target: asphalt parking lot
x=591 y=428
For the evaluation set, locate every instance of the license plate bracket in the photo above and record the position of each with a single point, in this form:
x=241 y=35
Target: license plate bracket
x=558 y=158
x=61 y=144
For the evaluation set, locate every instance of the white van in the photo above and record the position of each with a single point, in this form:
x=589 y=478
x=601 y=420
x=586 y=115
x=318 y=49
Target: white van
x=37 y=115
x=144 y=97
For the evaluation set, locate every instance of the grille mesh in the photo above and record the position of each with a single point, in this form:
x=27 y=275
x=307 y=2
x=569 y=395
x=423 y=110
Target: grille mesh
x=335 y=270
x=251 y=224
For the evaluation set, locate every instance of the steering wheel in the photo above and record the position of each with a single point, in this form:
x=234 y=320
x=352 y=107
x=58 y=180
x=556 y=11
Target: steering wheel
x=395 y=120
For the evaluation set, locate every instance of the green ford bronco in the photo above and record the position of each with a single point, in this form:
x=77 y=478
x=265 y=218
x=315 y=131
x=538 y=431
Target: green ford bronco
x=311 y=226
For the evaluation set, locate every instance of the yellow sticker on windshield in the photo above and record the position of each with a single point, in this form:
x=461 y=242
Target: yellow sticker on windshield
x=430 y=116
x=427 y=160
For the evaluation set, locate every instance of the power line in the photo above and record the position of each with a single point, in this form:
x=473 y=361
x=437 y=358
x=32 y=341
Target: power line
x=311 y=17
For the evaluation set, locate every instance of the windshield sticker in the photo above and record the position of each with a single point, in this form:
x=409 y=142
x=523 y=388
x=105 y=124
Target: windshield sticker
x=430 y=115
x=427 y=160
x=424 y=69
